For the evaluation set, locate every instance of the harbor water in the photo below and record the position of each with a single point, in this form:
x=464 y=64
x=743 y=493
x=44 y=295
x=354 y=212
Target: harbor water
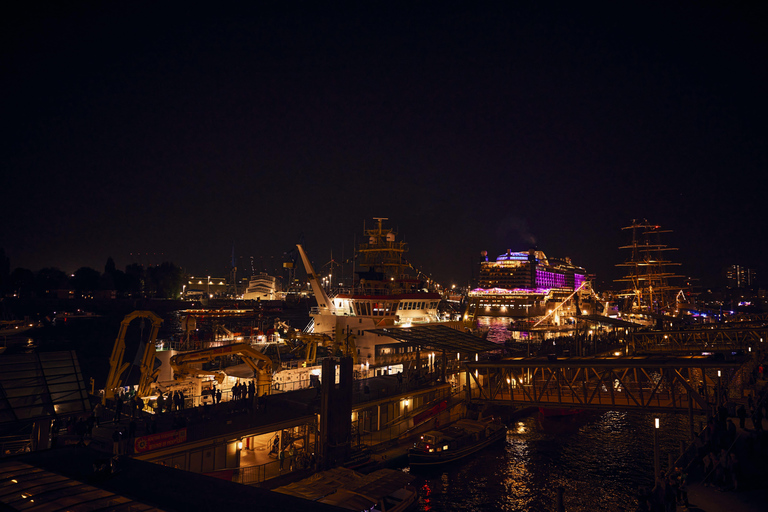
x=599 y=459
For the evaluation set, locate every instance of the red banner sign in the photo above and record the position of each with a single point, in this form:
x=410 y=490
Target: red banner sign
x=161 y=440
x=424 y=416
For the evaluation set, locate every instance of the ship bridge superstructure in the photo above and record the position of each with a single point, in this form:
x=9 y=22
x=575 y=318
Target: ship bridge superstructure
x=388 y=292
x=383 y=269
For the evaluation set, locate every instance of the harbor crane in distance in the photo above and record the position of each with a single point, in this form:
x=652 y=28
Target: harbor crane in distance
x=117 y=366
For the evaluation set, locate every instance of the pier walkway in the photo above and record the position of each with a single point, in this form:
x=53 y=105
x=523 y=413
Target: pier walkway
x=727 y=464
x=705 y=496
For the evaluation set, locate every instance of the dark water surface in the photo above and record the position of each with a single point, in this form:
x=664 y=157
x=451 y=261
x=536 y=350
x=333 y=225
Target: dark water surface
x=600 y=459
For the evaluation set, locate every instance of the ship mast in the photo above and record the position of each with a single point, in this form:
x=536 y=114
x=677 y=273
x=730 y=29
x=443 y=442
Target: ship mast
x=647 y=280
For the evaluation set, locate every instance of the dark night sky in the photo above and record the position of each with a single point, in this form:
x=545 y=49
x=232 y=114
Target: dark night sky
x=141 y=127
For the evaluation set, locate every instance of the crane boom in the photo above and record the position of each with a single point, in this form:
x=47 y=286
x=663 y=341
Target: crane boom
x=117 y=366
x=324 y=303
x=258 y=362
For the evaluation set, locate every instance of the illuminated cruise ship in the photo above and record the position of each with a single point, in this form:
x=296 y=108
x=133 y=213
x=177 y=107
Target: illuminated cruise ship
x=526 y=285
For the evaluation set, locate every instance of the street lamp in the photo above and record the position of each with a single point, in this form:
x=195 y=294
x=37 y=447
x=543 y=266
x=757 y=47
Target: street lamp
x=656 y=468
x=719 y=388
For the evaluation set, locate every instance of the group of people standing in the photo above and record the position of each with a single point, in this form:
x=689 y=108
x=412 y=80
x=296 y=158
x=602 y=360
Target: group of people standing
x=754 y=412
x=726 y=458
x=130 y=400
x=290 y=454
x=173 y=402
x=241 y=391
x=671 y=489
x=719 y=454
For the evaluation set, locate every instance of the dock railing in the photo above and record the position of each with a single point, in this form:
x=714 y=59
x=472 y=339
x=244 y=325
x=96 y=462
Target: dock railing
x=13 y=446
x=252 y=475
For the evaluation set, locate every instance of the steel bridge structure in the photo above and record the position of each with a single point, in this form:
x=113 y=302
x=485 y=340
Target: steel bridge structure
x=652 y=383
x=712 y=340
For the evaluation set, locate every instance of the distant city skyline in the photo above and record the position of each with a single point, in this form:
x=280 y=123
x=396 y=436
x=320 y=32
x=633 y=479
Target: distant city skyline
x=731 y=276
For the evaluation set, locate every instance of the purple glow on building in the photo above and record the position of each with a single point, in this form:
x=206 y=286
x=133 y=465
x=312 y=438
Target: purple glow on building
x=545 y=279
x=505 y=291
x=578 y=280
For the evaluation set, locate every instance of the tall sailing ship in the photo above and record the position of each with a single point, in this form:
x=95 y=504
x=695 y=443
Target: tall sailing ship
x=647 y=283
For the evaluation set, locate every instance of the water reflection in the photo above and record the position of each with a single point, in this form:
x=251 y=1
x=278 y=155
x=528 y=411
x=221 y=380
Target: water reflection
x=600 y=459
x=496 y=327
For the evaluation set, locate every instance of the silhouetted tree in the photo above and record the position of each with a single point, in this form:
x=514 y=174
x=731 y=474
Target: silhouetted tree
x=109 y=267
x=5 y=272
x=121 y=282
x=133 y=285
x=107 y=281
x=47 y=280
x=166 y=280
x=22 y=282
x=86 y=279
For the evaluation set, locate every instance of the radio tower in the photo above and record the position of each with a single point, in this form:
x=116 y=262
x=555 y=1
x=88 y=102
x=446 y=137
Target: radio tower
x=647 y=285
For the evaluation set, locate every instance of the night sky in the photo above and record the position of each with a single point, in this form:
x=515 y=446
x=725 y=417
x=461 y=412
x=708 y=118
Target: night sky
x=154 y=127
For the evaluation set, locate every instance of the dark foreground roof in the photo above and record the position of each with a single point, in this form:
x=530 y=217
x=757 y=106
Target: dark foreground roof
x=144 y=485
x=438 y=336
x=41 y=386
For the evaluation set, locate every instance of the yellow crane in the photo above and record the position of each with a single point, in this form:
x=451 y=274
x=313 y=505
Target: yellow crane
x=259 y=363
x=117 y=366
x=310 y=341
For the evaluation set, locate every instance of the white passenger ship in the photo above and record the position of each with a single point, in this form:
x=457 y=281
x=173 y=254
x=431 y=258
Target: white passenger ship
x=387 y=293
x=261 y=287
